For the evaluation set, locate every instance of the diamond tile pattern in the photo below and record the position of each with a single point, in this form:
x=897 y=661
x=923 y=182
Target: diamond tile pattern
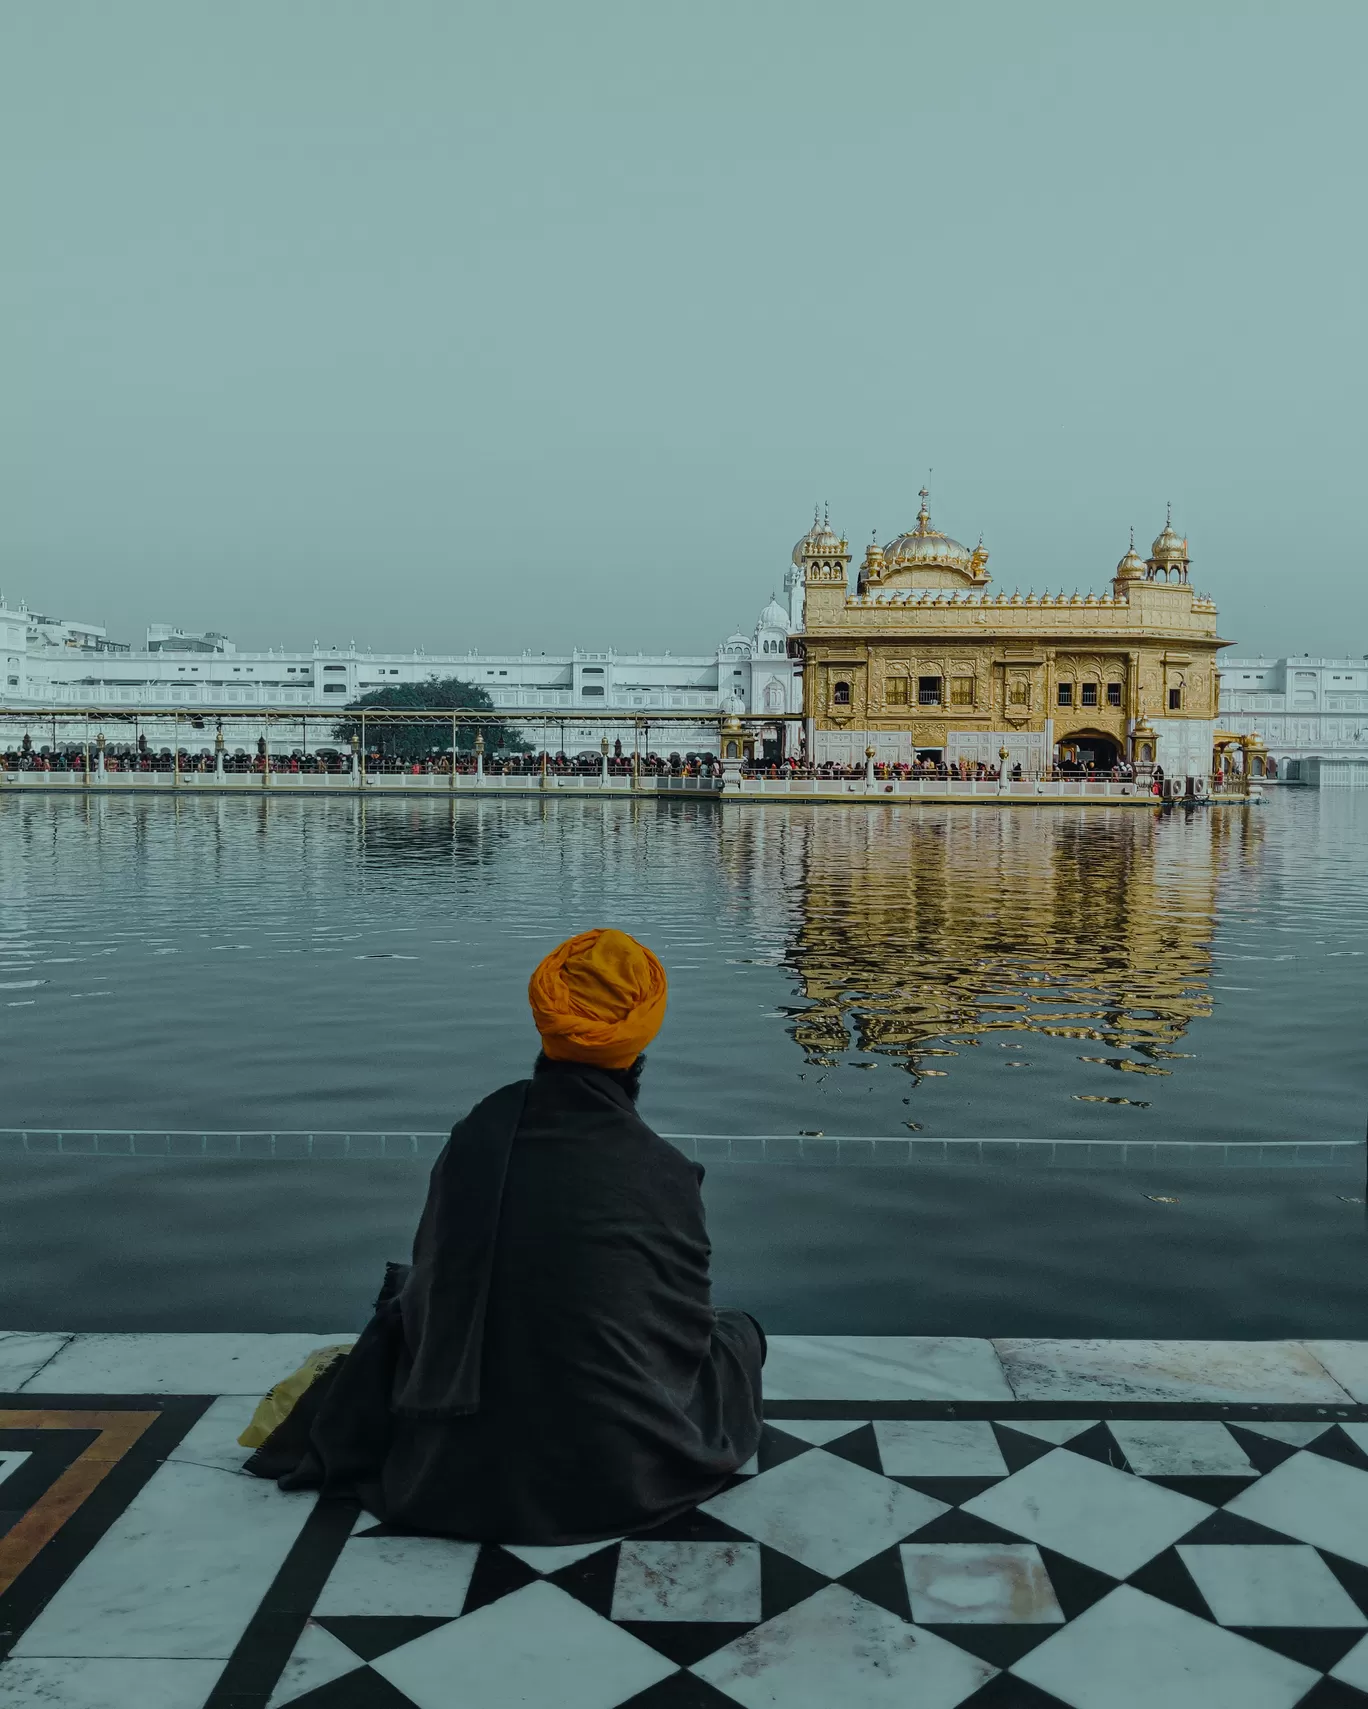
x=1122 y=1560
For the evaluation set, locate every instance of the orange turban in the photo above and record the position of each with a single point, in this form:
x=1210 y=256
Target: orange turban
x=599 y=998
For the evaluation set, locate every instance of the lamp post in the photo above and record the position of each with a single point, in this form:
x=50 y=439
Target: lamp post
x=869 y=768
x=603 y=761
x=1004 y=782
x=479 y=757
x=100 y=754
x=218 y=751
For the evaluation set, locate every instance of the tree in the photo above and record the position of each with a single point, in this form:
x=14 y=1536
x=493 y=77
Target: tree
x=416 y=738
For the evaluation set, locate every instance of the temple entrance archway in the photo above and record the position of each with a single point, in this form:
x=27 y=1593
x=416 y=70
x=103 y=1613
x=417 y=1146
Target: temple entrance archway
x=1081 y=749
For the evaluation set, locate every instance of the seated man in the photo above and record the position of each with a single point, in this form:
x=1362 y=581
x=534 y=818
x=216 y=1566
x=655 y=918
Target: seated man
x=551 y=1369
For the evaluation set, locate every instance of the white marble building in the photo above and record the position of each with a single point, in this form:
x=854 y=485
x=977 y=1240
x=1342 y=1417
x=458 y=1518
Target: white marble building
x=1303 y=708
x=52 y=664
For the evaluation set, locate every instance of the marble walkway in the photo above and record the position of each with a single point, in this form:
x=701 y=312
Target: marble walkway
x=929 y=1522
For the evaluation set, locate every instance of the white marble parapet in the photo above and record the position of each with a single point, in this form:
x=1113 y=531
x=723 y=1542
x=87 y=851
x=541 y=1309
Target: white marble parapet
x=800 y=1367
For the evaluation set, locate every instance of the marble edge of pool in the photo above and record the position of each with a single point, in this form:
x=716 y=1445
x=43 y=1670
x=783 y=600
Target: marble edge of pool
x=799 y=1368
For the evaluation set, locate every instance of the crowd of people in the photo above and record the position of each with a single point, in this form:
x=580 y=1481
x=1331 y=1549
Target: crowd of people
x=140 y=756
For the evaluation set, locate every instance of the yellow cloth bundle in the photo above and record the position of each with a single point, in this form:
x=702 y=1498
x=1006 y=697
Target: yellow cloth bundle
x=599 y=998
x=277 y=1405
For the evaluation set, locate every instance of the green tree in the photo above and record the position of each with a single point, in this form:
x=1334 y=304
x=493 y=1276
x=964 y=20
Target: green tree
x=415 y=738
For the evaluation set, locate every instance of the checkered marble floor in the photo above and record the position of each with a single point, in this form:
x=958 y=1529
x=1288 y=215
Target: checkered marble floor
x=1094 y=1546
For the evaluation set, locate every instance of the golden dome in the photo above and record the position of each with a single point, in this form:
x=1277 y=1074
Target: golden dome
x=1169 y=547
x=1132 y=564
x=820 y=541
x=925 y=545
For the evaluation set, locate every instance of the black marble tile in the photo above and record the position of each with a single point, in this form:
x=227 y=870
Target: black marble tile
x=685 y=1642
x=999 y=1645
x=1166 y=1578
x=1320 y=1647
x=1263 y=1453
x=1020 y=1450
x=957 y=1526
x=1335 y=1445
x=372 y=1635
x=590 y=1580
x=775 y=1448
x=860 y=1448
x=1351 y=1575
x=497 y=1574
x=952 y=1491
x=363 y=1689
x=1005 y=1692
x=881 y=1580
x=1076 y=1587
x=784 y=1582
x=681 y=1691
x=693 y=1526
x=1334 y=1694
x=1098 y=1444
x=1215 y=1491
x=1221 y=1527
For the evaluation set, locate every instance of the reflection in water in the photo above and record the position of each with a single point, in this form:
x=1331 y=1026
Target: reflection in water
x=919 y=937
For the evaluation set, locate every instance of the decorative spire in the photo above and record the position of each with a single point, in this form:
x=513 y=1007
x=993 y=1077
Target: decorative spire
x=1168 y=514
x=1132 y=544
x=816 y=516
x=826 y=515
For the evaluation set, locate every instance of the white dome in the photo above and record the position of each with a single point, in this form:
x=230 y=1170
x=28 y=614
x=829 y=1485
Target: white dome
x=774 y=616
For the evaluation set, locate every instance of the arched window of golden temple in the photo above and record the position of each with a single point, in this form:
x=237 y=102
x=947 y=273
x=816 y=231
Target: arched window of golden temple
x=841 y=694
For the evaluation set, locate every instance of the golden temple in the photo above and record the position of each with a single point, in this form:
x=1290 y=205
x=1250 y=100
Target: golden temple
x=922 y=660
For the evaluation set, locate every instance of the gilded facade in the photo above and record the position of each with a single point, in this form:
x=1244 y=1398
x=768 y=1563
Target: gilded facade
x=925 y=659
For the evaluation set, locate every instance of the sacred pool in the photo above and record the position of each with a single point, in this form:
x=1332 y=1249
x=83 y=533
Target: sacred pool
x=1085 y=1070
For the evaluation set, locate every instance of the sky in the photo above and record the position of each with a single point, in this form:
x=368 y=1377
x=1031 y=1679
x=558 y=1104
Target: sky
x=531 y=325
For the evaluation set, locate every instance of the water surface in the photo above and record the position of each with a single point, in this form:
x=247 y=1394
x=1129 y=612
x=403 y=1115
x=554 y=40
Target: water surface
x=1037 y=972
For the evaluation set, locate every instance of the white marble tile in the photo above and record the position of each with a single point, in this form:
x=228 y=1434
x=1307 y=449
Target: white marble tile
x=996 y=1584
x=687 y=1581
x=749 y=1468
x=1269 y=1584
x=939 y=1448
x=178 y=1574
x=78 y=1682
x=1180 y=1448
x=1131 y=1651
x=177 y=1364
x=1105 y=1518
x=838 y=1649
x=538 y=1648
x=1314 y=1500
x=23 y=1356
x=1353 y=1668
x=1347 y=1363
x=213 y=1439
x=1054 y=1430
x=10 y=1461
x=317 y=1659
x=825 y=1512
x=1254 y=1371
x=399 y=1575
x=1296 y=1433
x=883 y=1367
x=818 y=1431
x=551 y=1557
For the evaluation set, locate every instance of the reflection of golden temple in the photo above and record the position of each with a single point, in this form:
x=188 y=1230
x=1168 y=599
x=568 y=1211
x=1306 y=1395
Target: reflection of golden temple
x=916 y=938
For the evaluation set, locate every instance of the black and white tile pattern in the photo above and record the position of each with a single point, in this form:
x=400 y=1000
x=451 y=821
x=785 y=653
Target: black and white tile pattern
x=994 y=1556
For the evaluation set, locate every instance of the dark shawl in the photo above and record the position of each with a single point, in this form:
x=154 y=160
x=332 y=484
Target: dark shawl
x=551 y=1369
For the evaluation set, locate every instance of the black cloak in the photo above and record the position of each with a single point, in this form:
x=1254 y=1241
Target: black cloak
x=551 y=1369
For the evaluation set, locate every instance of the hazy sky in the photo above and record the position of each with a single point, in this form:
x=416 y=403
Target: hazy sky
x=524 y=325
